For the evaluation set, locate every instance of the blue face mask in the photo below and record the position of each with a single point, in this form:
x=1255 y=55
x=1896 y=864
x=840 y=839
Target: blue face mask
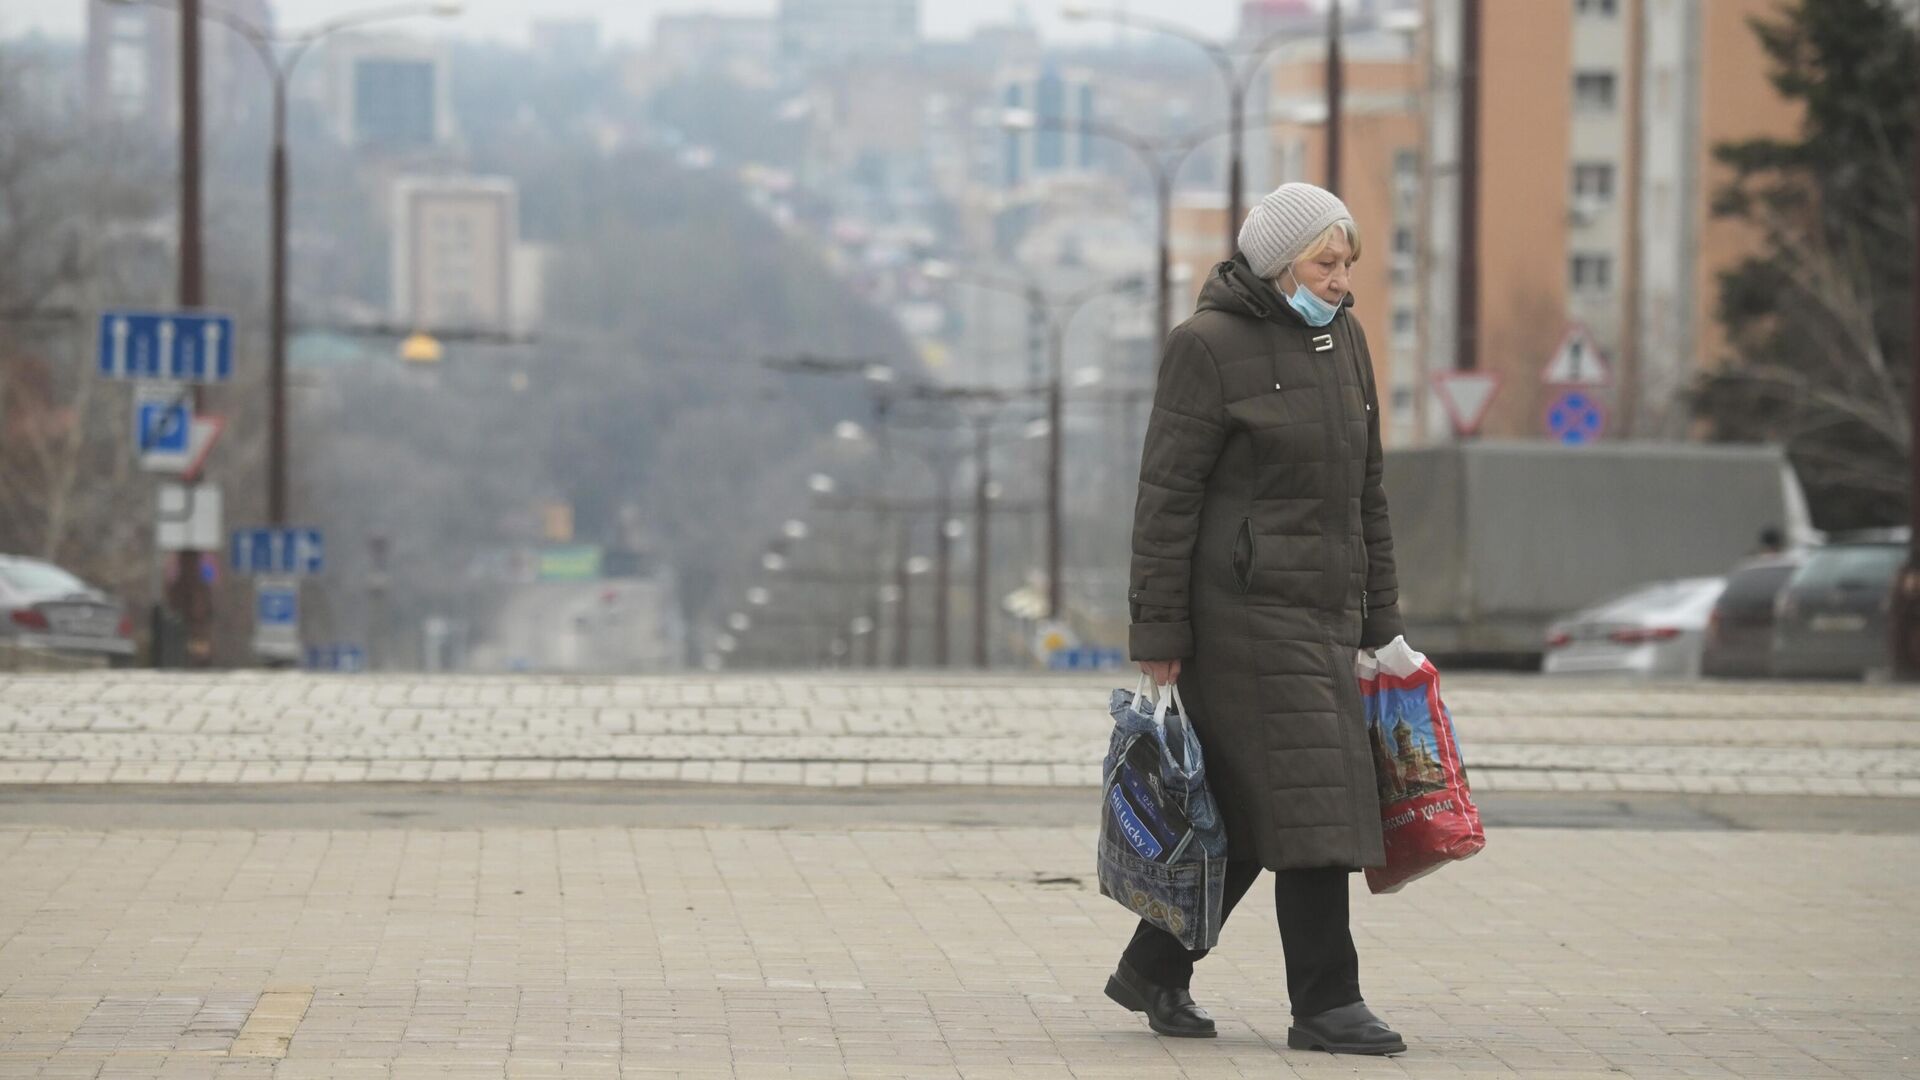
x=1316 y=311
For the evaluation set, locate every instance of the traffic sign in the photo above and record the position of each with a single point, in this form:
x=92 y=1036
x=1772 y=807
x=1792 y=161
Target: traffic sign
x=168 y=437
x=188 y=517
x=190 y=346
x=1577 y=362
x=1087 y=658
x=1576 y=418
x=162 y=423
x=350 y=659
x=276 y=551
x=276 y=601
x=1466 y=395
x=276 y=619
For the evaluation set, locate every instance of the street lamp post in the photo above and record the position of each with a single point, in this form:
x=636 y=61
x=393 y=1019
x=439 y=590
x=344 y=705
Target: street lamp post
x=1162 y=160
x=1237 y=72
x=193 y=597
x=280 y=67
x=982 y=553
x=1060 y=311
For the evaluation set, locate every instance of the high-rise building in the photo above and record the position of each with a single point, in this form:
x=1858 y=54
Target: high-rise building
x=133 y=64
x=455 y=252
x=1060 y=102
x=813 y=31
x=1379 y=182
x=390 y=94
x=1595 y=171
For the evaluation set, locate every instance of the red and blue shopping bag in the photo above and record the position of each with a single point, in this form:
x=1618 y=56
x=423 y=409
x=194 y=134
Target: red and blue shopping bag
x=1426 y=810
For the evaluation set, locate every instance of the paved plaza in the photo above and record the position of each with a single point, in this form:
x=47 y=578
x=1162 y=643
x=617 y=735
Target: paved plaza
x=170 y=917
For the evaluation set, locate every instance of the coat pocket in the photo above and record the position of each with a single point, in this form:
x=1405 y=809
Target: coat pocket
x=1243 y=555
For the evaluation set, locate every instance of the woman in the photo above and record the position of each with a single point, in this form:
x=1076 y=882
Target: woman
x=1262 y=561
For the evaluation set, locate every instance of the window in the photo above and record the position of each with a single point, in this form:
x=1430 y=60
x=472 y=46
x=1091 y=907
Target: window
x=1607 y=8
x=1593 y=180
x=1406 y=163
x=1592 y=273
x=1403 y=240
x=1593 y=90
x=1402 y=322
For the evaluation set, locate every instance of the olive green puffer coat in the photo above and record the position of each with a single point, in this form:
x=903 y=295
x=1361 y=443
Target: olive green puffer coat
x=1262 y=558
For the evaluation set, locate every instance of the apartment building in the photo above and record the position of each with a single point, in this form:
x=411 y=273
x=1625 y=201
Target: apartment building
x=1596 y=124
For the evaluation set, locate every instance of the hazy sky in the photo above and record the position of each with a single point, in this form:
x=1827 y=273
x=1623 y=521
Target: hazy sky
x=632 y=20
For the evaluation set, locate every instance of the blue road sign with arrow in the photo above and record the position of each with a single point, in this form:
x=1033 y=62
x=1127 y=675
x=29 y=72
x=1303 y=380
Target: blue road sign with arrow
x=188 y=346
x=276 y=551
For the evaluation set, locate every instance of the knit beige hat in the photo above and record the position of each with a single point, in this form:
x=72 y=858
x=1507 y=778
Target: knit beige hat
x=1280 y=226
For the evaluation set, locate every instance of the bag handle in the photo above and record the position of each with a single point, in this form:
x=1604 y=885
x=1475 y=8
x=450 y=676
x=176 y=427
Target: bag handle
x=1170 y=696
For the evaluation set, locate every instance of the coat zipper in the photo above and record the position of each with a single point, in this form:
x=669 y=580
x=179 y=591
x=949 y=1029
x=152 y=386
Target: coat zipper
x=1246 y=530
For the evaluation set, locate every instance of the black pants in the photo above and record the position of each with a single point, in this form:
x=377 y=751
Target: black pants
x=1323 y=971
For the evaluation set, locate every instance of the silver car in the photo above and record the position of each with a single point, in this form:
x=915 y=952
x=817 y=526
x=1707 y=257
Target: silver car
x=44 y=608
x=1655 y=631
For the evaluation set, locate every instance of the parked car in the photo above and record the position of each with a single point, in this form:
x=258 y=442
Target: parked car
x=1655 y=631
x=44 y=607
x=1832 y=620
x=1740 y=630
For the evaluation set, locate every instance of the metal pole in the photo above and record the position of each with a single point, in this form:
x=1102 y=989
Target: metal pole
x=1056 y=352
x=902 y=581
x=1163 y=271
x=1036 y=331
x=377 y=603
x=943 y=565
x=1237 y=121
x=982 y=567
x=1906 y=614
x=1336 y=88
x=277 y=315
x=192 y=598
x=1467 y=319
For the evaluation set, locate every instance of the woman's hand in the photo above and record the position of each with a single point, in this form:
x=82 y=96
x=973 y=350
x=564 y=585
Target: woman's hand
x=1162 y=672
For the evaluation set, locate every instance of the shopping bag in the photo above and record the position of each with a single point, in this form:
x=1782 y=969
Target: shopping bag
x=1163 y=850
x=1426 y=809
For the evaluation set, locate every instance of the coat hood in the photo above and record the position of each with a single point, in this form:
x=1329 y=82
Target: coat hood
x=1234 y=288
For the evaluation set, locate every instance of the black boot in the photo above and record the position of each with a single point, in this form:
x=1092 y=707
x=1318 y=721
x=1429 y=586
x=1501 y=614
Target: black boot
x=1170 y=1010
x=1349 y=1029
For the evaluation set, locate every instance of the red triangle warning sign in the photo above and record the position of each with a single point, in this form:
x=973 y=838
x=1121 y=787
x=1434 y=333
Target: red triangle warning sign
x=1466 y=395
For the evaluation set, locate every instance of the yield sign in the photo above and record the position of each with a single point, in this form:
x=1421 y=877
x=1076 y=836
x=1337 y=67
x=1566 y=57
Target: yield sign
x=1577 y=362
x=1466 y=396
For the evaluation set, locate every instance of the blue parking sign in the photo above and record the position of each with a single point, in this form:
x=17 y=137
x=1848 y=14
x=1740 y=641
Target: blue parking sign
x=277 y=606
x=165 y=427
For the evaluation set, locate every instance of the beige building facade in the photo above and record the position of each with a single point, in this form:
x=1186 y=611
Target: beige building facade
x=454 y=253
x=1597 y=121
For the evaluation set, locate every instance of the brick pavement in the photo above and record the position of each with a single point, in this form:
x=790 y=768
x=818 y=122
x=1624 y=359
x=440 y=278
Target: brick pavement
x=919 y=952
x=1519 y=733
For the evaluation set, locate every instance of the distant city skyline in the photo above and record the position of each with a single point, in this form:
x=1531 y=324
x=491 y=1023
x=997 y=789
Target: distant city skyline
x=631 y=21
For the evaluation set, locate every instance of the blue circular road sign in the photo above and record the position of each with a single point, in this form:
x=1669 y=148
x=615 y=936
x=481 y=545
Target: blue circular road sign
x=1576 y=418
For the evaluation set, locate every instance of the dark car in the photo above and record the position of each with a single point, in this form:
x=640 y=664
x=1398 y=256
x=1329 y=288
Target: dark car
x=1833 y=617
x=1740 y=630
